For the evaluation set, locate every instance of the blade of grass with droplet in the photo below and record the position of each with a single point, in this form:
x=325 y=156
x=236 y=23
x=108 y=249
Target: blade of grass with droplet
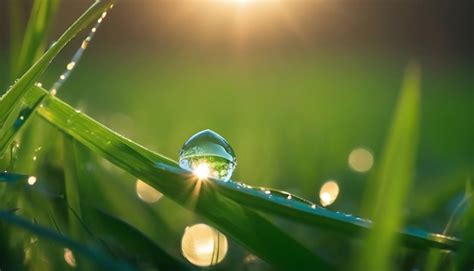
x=41 y=232
x=385 y=199
x=115 y=148
x=13 y=96
x=34 y=40
x=232 y=218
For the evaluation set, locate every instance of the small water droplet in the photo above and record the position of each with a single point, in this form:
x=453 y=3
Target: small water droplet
x=62 y=77
x=208 y=155
x=94 y=29
x=71 y=65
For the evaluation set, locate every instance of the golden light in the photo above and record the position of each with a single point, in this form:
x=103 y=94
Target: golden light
x=31 y=180
x=361 y=160
x=69 y=257
x=147 y=193
x=202 y=171
x=328 y=193
x=203 y=245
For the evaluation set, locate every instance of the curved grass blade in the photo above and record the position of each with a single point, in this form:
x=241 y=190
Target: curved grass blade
x=11 y=98
x=232 y=218
x=46 y=233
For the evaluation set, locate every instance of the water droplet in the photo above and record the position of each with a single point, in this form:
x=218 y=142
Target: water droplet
x=94 y=29
x=71 y=65
x=208 y=155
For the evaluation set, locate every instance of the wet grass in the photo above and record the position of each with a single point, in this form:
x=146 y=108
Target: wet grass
x=83 y=197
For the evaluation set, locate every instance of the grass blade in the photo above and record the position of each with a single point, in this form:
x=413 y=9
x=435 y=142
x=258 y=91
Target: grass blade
x=394 y=177
x=10 y=99
x=234 y=219
x=15 y=23
x=46 y=233
x=135 y=244
x=35 y=35
x=105 y=141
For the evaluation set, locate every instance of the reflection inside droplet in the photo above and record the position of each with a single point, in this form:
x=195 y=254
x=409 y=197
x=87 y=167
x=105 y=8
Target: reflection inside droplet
x=208 y=155
x=147 y=193
x=203 y=245
x=361 y=160
x=328 y=193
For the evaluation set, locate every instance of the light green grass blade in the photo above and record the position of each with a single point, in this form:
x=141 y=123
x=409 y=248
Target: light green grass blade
x=34 y=40
x=386 y=198
x=11 y=99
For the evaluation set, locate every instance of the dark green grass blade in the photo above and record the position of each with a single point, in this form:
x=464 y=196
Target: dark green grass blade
x=385 y=197
x=34 y=40
x=96 y=256
x=11 y=99
x=232 y=218
x=133 y=244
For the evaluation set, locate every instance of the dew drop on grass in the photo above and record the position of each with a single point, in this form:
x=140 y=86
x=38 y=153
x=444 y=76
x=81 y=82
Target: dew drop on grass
x=208 y=155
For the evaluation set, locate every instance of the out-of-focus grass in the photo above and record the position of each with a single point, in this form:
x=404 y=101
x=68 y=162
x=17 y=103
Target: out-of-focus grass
x=315 y=109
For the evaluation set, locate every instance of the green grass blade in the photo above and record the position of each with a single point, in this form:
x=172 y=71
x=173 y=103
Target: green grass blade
x=10 y=99
x=15 y=23
x=464 y=259
x=133 y=243
x=232 y=218
x=96 y=256
x=394 y=177
x=35 y=35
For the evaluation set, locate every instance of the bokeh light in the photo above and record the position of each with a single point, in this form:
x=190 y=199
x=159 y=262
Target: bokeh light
x=203 y=245
x=328 y=193
x=361 y=160
x=69 y=257
x=31 y=180
x=147 y=193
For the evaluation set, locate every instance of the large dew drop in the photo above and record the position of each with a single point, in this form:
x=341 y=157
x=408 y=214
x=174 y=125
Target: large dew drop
x=208 y=155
